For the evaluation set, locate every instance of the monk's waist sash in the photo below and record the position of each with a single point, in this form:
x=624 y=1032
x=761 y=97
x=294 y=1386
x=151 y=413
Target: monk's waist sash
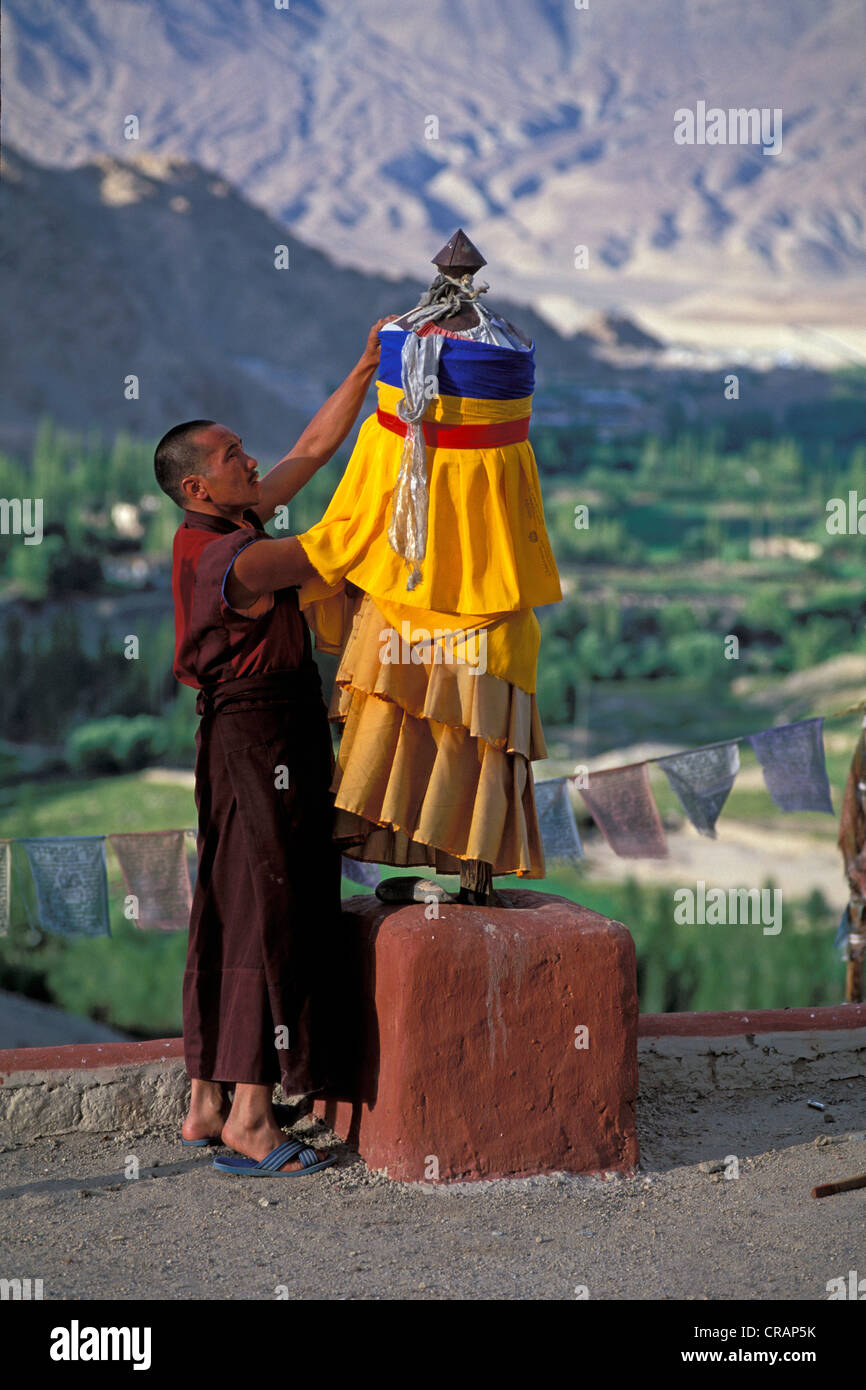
x=439 y=436
x=298 y=687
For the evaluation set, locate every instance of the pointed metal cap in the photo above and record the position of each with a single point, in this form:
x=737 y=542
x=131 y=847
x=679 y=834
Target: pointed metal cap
x=459 y=254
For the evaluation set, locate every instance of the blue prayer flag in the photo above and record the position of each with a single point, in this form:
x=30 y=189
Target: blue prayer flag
x=701 y=779
x=792 y=757
x=359 y=872
x=559 y=835
x=71 y=885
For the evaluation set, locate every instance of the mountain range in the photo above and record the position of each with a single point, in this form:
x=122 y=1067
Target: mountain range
x=372 y=130
x=157 y=270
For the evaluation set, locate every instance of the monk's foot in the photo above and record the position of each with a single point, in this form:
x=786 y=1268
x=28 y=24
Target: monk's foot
x=257 y=1141
x=207 y=1112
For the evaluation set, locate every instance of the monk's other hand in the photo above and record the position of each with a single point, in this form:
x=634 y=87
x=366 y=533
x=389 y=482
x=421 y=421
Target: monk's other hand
x=370 y=355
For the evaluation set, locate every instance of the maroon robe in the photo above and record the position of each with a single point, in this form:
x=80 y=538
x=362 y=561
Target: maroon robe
x=266 y=905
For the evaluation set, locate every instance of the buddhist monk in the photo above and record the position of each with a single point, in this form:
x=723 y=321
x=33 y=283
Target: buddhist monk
x=267 y=897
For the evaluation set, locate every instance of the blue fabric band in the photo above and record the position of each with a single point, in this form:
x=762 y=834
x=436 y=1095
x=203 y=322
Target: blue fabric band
x=478 y=371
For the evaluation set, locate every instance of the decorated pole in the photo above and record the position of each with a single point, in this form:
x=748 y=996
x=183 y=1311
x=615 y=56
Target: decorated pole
x=852 y=838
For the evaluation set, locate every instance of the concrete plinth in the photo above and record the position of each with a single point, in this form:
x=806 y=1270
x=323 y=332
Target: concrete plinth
x=490 y=1042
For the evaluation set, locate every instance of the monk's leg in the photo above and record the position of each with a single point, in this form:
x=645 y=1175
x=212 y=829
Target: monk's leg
x=284 y=911
x=208 y=1104
x=207 y=1110
x=251 y=1128
x=227 y=1025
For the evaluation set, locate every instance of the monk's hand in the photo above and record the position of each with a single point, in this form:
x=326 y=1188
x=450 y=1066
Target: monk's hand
x=370 y=355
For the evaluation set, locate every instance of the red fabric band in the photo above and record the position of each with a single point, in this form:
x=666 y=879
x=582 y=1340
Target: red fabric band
x=438 y=436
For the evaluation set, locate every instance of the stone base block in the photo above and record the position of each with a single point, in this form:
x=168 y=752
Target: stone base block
x=489 y=1042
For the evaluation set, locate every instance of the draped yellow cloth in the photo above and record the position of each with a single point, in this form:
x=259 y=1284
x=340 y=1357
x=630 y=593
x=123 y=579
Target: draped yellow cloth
x=488 y=553
x=435 y=759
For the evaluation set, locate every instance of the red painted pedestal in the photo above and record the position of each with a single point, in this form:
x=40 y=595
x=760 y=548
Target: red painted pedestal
x=490 y=1042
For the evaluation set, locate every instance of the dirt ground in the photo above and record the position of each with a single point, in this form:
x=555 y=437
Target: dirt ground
x=676 y=1230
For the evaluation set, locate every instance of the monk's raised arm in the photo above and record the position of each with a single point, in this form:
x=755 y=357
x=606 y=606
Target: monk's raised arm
x=325 y=432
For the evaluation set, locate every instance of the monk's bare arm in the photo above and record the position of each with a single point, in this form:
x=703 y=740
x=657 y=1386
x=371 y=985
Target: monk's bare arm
x=264 y=566
x=324 y=434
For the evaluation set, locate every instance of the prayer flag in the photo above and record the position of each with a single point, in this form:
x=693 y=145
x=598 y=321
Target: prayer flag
x=359 y=872
x=559 y=837
x=192 y=856
x=71 y=887
x=701 y=780
x=155 y=872
x=792 y=757
x=5 y=866
x=622 y=806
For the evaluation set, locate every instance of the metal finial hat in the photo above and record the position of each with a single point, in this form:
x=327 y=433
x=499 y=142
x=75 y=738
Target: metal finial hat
x=459 y=254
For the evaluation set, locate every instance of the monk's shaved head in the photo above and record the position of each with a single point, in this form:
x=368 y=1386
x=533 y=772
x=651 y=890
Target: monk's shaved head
x=179 y=453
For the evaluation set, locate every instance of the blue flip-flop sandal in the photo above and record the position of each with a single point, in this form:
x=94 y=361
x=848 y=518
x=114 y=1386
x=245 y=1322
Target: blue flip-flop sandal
x=270 y=1166
x=283 y=1114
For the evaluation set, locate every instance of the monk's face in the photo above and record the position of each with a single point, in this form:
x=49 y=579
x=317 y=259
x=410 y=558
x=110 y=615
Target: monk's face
x=229 y=477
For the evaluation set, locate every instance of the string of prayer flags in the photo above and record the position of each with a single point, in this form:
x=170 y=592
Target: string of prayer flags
x=159 y=867
x=5 y=867
x=792 y=758
x=359 y=872
x=191 y=842
x=71 y=884
x=621 y=804
x=156 y=876
x=701 y=780
x=559 y=835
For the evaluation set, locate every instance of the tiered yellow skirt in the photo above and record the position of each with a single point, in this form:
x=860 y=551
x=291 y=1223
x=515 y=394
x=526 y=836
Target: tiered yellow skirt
x=434 y=760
